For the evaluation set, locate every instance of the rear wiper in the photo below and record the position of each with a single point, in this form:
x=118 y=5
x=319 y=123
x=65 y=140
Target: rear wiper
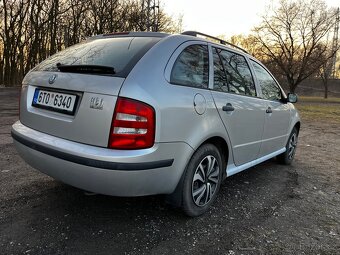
x=86 y=69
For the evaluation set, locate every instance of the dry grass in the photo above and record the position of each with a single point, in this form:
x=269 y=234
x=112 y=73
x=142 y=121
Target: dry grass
x=304 y=99
x=319 y=109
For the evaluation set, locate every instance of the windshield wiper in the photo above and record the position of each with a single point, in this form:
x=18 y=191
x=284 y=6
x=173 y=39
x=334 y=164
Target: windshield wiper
x=86 y=69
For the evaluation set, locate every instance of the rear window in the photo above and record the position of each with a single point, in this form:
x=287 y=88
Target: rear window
x=120 y=53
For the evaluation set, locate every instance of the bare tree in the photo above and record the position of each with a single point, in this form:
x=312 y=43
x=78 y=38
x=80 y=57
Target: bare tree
x=291 y=36
x=14 y=16
x=248 y=43
x=32 y=30
x=325 y=71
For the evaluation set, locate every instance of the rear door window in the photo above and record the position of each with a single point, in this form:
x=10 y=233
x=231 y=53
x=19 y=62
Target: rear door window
x=120 y=53
x=238 y=75
x=191 y=68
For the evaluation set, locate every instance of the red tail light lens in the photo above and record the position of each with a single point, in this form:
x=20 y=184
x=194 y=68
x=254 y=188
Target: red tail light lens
x=133 y=125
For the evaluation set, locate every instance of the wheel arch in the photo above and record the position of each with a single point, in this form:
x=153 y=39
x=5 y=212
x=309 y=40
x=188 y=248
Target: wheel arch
x=297 y=126
x=223 y=148
x=175 y=198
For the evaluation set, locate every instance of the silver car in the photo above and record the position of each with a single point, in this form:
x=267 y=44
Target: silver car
x=139 y=113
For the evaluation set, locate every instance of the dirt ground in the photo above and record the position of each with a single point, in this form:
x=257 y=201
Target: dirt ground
x=269 y=209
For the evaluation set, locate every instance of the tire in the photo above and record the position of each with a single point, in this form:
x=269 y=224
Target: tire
x=202 y=180
x=287 y=157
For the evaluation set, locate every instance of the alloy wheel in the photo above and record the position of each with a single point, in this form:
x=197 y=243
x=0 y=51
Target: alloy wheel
x=292 y=146
x=205 y=180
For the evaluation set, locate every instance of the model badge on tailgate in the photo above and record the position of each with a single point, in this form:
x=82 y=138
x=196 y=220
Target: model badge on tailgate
x=97 y=103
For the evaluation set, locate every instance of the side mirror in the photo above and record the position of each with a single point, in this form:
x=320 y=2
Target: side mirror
x=292 y=98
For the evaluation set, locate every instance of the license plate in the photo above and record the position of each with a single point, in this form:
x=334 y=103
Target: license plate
x=54 y=101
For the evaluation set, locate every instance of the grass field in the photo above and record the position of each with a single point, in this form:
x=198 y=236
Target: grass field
x=304 y=99
x=319 y=109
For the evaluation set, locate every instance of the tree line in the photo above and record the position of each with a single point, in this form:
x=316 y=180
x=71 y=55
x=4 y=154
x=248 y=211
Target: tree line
x=296 y=41
x=32 y=30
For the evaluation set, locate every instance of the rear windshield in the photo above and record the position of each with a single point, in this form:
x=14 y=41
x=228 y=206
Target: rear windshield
x=120 y=53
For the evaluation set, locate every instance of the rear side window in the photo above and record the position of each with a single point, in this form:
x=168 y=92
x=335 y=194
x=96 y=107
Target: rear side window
x=191 y=68
x=238 y=75
x=270 y=89
x=120 y=53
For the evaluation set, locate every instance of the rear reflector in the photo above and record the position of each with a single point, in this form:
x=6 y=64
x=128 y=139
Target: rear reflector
x=133 y=125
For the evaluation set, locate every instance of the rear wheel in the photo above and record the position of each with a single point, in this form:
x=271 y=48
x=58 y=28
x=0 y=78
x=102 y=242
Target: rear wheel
x=287 y=157
x=202 y=180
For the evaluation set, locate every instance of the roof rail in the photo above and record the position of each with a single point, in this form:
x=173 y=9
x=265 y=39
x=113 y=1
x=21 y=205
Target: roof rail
x=129 y=34
x=194 y=33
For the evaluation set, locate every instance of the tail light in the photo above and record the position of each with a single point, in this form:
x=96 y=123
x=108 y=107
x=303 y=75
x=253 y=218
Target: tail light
x=133 y=125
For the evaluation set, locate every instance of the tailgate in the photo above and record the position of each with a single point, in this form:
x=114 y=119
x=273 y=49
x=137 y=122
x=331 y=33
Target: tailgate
x=90 y=109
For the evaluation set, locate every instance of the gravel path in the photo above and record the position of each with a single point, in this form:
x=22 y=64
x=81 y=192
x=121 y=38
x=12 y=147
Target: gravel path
x=269 y=209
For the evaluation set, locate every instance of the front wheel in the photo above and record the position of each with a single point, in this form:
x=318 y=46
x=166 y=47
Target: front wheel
x=287 y=157
x=202 y=180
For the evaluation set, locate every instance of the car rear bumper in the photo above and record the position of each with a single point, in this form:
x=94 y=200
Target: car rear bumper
x=156 y=170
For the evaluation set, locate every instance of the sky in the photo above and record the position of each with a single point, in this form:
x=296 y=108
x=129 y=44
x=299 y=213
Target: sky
x=221 y=17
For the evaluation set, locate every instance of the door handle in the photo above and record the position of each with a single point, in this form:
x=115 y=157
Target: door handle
x=228 y=107
x=269 y=110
